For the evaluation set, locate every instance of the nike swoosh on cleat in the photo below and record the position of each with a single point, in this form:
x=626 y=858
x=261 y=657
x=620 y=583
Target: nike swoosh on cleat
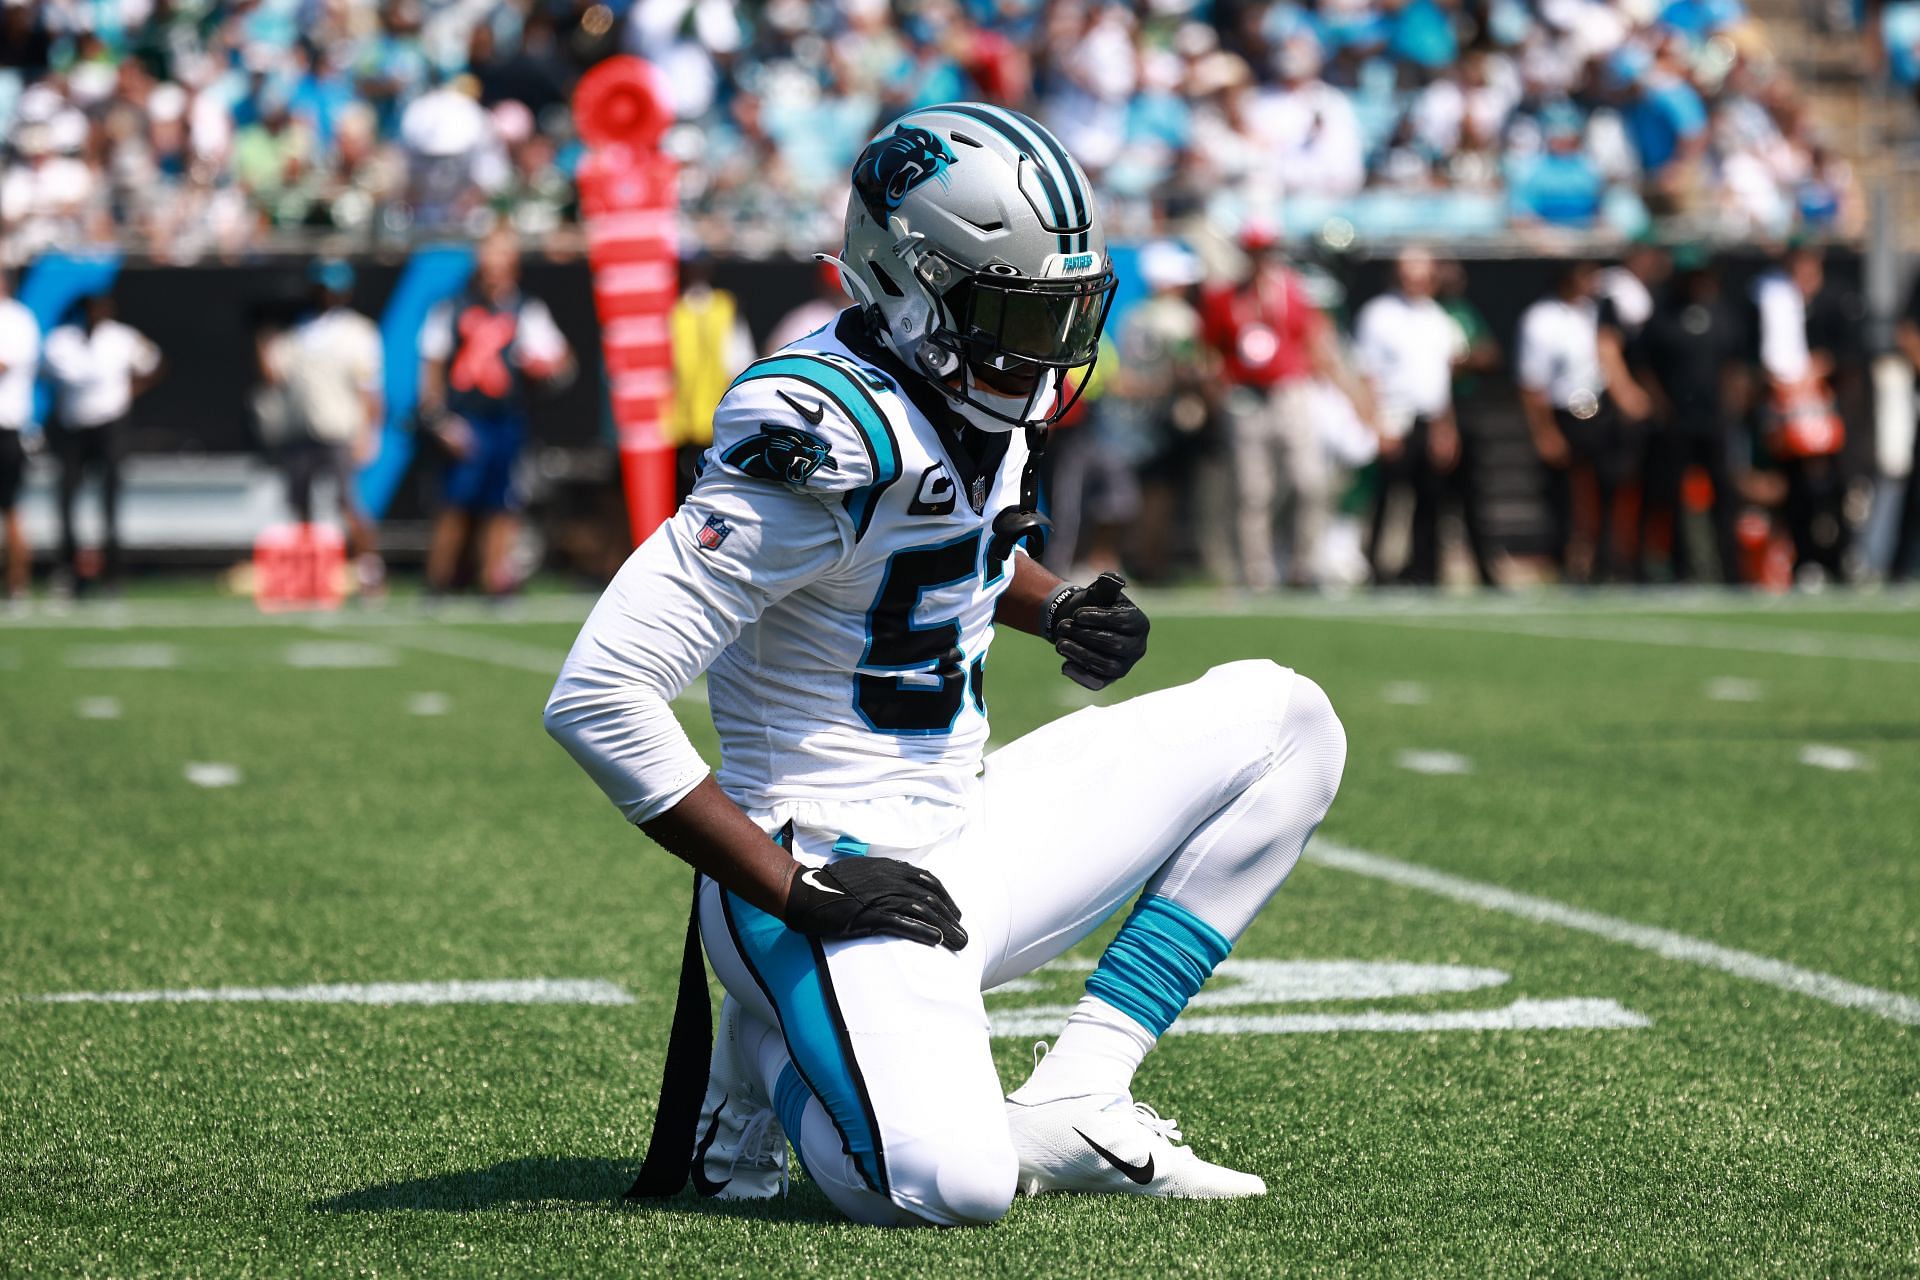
x=701 y=1182
x=1141 y=1174
x=812 y=413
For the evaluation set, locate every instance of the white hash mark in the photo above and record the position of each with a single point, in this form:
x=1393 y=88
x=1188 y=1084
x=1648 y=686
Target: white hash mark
x=1444 y=763
x=210 y=773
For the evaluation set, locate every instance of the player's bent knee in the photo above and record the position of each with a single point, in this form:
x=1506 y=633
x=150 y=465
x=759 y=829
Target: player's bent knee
x=1315 y=736
x=962 y=1186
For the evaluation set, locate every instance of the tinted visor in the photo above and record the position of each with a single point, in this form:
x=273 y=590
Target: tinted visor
x=1055 y=323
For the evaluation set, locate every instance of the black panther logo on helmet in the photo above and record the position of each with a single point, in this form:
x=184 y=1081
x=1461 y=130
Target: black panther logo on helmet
x=787 y=455
x=892 y=166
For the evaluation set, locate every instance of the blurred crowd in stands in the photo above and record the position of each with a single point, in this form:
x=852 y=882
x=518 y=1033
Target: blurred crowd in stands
x=188 y=127
x=1270 y=424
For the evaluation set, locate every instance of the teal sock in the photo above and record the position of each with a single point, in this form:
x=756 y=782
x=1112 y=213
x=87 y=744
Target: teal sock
x=1162 y=955
x=1154 y=965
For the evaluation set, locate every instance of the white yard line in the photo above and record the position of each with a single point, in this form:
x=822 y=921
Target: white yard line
x=509 y=991
x=1684 y=635
x=488 y=649
x=510 y=653
x=1663 y=942
x=1521 y=1015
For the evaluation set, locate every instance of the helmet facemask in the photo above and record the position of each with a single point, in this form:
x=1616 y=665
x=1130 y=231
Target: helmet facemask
x=1005 y=347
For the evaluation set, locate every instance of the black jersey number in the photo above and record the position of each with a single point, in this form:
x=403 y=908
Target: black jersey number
x=928 y=700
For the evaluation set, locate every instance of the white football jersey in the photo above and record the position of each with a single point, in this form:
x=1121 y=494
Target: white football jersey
x=831 y=572
x=869 y=679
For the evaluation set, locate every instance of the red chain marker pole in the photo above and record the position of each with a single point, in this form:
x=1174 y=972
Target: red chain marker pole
x=628 y=199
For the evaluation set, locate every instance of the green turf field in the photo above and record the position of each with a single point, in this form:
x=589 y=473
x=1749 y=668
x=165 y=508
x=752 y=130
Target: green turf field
x=1646 y=874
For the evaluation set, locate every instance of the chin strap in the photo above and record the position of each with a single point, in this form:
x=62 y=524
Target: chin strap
x=1024 y=523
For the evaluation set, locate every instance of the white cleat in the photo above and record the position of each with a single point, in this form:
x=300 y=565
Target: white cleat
x=740 y=1150
x=1113 y=1145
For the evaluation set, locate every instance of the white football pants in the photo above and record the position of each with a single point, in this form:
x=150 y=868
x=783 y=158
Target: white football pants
x=1204 y=794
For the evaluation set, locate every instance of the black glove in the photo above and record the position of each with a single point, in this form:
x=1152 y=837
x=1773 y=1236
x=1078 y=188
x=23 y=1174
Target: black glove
x=1099 y=632
x=864 y=896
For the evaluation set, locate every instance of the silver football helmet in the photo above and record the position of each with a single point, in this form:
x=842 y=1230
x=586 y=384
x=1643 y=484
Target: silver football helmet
x=974 y=236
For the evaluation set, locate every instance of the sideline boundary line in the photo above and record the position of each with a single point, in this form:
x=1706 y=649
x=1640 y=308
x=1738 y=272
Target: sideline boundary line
x=1890 y=1005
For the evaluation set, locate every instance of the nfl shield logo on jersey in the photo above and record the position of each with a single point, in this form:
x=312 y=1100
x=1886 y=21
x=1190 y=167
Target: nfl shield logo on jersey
x=713 y=533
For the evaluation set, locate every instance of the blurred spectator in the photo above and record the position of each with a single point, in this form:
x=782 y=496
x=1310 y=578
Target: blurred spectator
x=1572 y=410
x=1693 y=350
x=329 y=369
x=19 y=362
x=1560 y=185
x=1626 y=297
x=1828 y=195
x=1906 y=543
x=1273 y=344
x=1665 y=117
x=1308 y=128
x=98 y=367
x=1800 y=421
x=711 y=344
x=1627 y=291
x=448 y=139
x=1162 y=407
x=479 y=353
x=1461 y=486
x=1093 y=495
x=1407 y=346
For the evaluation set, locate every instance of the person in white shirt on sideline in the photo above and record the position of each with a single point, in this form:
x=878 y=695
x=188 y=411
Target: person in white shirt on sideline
x=19 y=363
x=98 y=366
x=1407 y=346
x=329 y=366
x=1580 y=407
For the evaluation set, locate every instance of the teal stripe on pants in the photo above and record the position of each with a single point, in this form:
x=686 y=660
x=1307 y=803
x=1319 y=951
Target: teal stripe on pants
x=791 y=969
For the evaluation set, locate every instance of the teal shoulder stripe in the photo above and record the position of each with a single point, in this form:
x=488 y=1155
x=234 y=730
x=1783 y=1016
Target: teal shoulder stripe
x=845 y=391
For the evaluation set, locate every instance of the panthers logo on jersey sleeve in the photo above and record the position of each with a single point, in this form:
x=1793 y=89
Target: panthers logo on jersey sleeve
x=784 y=454
x=812 y=420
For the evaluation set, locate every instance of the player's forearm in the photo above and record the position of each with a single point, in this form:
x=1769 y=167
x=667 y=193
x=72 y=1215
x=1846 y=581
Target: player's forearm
x=1021 y=603
x=709 y=832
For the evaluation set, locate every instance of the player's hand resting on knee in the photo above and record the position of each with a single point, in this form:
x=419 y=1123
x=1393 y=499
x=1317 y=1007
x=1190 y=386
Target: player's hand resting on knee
x=862 y=897
x=1097 y=630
